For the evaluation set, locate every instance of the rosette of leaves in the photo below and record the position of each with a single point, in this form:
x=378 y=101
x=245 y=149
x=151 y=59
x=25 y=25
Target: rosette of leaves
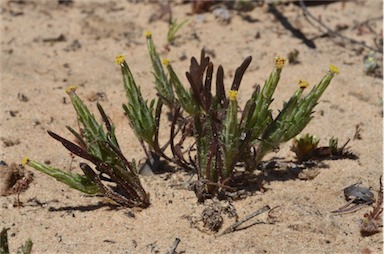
x=101 y=148
x=304 y=146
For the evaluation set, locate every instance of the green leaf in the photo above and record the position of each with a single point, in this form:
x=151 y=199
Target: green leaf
x=163 y=86
x=174 y=27
x=73 y=180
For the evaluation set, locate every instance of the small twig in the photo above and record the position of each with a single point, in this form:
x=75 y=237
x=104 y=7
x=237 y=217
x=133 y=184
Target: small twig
x=367 y=21
x=331 y=32
x=174 y=246
x=349 y=209
x=234 y=227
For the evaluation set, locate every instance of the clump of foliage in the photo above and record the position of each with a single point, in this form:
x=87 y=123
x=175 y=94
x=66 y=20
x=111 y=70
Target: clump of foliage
x=373 y=64
x=102 y=149
x=210 y=134
x=223 y=136
x=306 y=148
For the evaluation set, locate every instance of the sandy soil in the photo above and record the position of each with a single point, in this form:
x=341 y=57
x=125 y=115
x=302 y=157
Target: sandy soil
x=35 y=70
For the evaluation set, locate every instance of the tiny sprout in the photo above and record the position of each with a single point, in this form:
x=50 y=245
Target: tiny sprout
x=372 y=64
x=303 y=84
x=333 y=142
x=148 y=34
x=174 y=27
x=119 y=60
x=232 y=94
x=280 y=62
x=333 y=69
x=293 y=57
x=304 y=146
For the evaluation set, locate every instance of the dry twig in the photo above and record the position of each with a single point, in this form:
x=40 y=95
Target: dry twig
x=235 y=226
x=174 y=246
x=331 y=32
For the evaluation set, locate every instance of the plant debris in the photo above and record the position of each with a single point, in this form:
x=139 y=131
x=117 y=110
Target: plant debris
x=211 y=216
x=355 y=194
x=14 y=179
x=235 y=226
x=373 y=220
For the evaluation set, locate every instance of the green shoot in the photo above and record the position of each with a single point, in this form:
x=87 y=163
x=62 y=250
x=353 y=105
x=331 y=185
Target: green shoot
x=174 y=27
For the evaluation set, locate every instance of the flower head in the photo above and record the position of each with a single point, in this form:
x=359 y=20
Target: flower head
x=303 y=83
x=24 y=161
x=166 y=61
x=333 y=69
x=71 y=89
x=280 y=62
x=232 y=94
x=119 y=59
x=148 y=34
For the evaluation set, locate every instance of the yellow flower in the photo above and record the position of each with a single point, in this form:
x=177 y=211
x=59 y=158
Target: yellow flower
x=148 y=34
x=166 y=61
x=303 y=84
x=71 y=89
x=280 y=62
x=232 y=94
x=333 y=69
x=119 y=59
x=24 y=161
